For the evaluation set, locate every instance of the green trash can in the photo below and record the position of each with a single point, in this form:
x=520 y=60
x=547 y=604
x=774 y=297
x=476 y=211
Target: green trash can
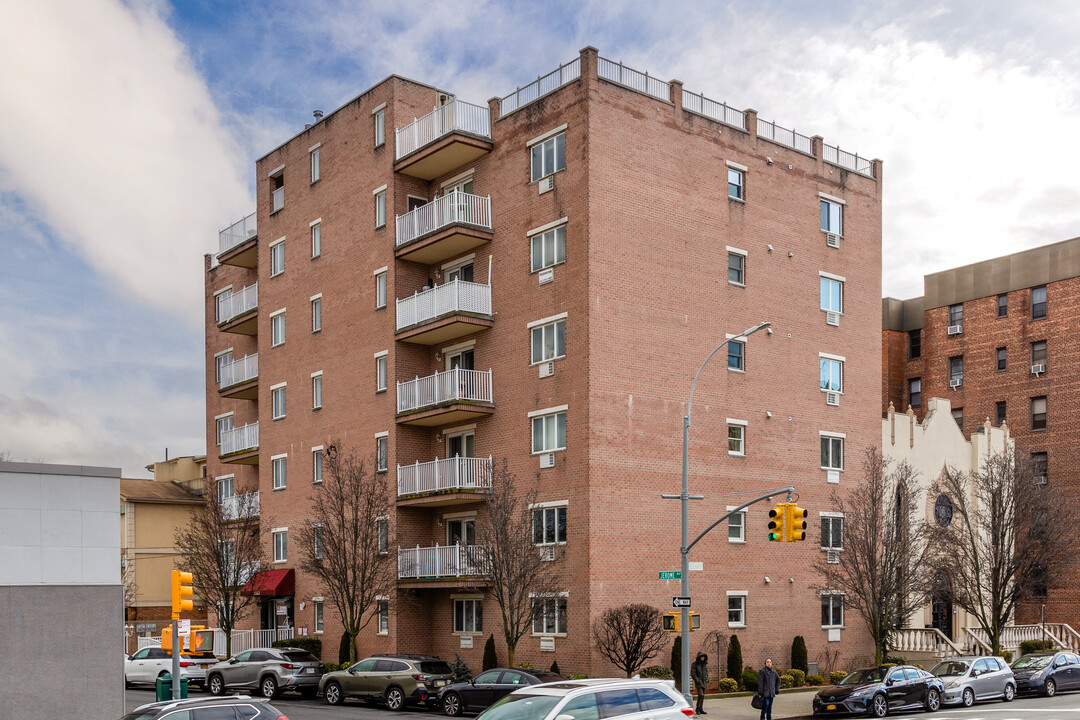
x=164 y=687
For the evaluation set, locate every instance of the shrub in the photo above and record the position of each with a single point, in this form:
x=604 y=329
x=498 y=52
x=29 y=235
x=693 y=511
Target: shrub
x=1030 y=646
x=786 y=681
x=814 y=680
x=1008 y=656
x=555 y=667
x=676 y=661
x=734 y=657
x=657 y=671
x=798 y=655
x=836 y=676
x=490 y=658
x=728 y=685
x=344 y=647
x=525 y=666
x=312 y=644
x=460 y=669
x=749 y=678
x=895 y=660
x=331 y=667
x=576 y=676
x=798 y=677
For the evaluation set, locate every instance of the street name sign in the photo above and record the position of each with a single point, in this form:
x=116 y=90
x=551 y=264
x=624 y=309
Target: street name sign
x=680 y=601
x=671 y=574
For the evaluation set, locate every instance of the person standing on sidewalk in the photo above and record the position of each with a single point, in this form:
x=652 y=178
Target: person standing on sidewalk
x=699 y=673
x=768 y=683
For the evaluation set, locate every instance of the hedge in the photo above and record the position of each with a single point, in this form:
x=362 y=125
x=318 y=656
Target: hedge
x=312 y=644
x=660 y=672
x=814 y=680
x=836 y=676
x=728 y=685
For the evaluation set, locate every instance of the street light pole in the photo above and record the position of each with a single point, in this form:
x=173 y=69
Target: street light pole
x=685 y=497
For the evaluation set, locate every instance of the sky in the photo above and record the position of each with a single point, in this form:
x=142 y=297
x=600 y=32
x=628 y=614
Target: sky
x=129 y=131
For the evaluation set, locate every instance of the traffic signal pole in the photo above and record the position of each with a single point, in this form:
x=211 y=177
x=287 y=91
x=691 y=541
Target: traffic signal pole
x=175 y=658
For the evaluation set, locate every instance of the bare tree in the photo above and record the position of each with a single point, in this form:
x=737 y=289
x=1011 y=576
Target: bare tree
x=346 y=546
x=992 y=543
x=882 y=568
x=523 y=584
x=222 y=550
x=630 y=635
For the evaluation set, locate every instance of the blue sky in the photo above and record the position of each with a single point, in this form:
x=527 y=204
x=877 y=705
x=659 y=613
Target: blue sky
x=130 y=130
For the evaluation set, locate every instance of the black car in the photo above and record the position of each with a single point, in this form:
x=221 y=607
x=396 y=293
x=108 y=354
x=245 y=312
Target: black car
x=1047 y=672
x=880 y=690
x=237 y=706
x=488 y=687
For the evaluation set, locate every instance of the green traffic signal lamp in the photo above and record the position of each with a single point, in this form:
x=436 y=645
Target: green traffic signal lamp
x=796 y=523
x=777 y=516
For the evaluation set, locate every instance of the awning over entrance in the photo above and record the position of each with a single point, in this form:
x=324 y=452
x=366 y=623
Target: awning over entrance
x=271 y=583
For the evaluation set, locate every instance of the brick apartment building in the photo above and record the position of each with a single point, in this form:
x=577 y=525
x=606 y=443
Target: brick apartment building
x=562 y=261
x=998 y=339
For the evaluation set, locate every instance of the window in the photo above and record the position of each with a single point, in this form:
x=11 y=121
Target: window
x=1002 y=305
x=1040 y=581
x=735 y=184
x=736 y=268
x=380 y=373
x=1038 y=413
x=958 y=416
x=956 y=368
x=548 y=248
x=736 y=527
x=382 y=526
x=281 y=471
x=224 y=425
x=832 y=217
x=315 y=165
x=316 y=391
x=220 y=361
x=316 y=538
x=549 y=615
x=832 y=374
x=914 y=344
x=956 y=314
x=380 y=290
x=832 y=532
x=316 y=314
x=468 y=616
x=380 y=209
x=316 y=464
x=548 y=157
x=225 y=488
x=277 y=191
x=383 y=605
x=316 y=239
x=1002 y=359
x=915 y=392
x=1038 y=352
x=549 y=341
x=380 y=127
x=832 y=452
x=832 y=610
x=277 y=394
x=1039 y=465
x=277 y=258
x=1038 y=302
x=832 y=294
x=318 y=615
x=735 y=355
x=381 y=453
x=549 y=525
x=549 y=433
x=736 y=438
x=999 y=412
x=277 y=329
x=281 y=547
x=736 y=611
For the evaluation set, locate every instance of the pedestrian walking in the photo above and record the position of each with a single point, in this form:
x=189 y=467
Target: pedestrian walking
x=768 y=687
x=699 y=673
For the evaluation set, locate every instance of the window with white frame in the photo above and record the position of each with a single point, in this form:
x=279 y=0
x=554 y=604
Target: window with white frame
x=277 y=328
x=281 y=545
x=221 y=297
x=548 y=248
x=832 y=293
x=316 y=539
x=318 y=604
x=316 y=464
x=380 y=372
x=224 y=425
x=380 y=289
x=549 y=525
x=832 y=451
x=277 y=258
x=549 y=432
x=316 y=239
x=736 y=267
x=382 y=528
x=225 y=488
x=277 y=396
x=832 y=216
x=221 y=359
x=735 y=353
x=549 y=615
x=380 y=209
x=316 y=390
x=380 y=126
x=468 y=615
x=832 y=610
x=280 y=465
x=736 y=180
x=548 y=157
x=548 y=341
x=736 y=526
x=316 y=313
x=736 y=437
x=832 y=373
x=736 y=612
x=315 y=164
x=383 y=606
x=382 y=453
x=832 y=531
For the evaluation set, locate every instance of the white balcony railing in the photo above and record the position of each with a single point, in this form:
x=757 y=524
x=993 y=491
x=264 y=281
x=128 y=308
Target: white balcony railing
x=235 y=304
x=452 y=297
x=442 y=387
x=239 y=371
x=240 y=439
x=454 y=116
x=455 y=208
x=238 y=507
x=456 y=473
x=440 y=562
x=237 y=233
x=277 y=199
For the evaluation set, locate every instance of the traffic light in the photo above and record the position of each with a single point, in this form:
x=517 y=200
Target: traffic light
x=673 y=621
x=796 y=523
x=777 y=518
x=182 y=592
x=201 y=641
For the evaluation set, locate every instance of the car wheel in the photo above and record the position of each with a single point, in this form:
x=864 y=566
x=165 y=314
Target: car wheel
x=1010 y=692
x=968 y=698
x=933 y=700
x=333 y=695
x=451 y=704
x=395 y=698
x=268 y=687
x=879 y=706
x=1050 y=689
x=216 y=685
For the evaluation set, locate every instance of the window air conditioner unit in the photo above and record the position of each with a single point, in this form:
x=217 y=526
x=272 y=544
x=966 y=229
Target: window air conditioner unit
x=956 y=382
x=547 y=460
x=832 y=476
x=546 y=184
x=547 y=554
x=832 y=398
x=956 y=329
x=1040 y=479
x=832 y=317
x=1038 y=369
x=546 y=275
x=832 y=240
x=547 y=369
x=832 y=557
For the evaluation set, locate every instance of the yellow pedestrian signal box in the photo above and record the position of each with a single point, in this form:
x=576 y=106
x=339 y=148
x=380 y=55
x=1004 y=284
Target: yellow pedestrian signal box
x=673 y=620
x=182 y=593
x=200 y=641
x=796 y=523
x=777 y=517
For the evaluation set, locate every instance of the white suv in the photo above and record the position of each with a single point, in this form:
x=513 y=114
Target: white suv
x=591 y=700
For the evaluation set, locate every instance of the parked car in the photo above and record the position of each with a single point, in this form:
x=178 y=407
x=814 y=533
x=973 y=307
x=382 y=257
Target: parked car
x=488 y=687
x=1047 y=672
x=880 y=690
x=397 y=680
x=237 y=706
x=968 y=679
x=147 y=665
x=591 y=699
x=267 y=671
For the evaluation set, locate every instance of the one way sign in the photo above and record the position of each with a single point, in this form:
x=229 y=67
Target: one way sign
x=680 y=601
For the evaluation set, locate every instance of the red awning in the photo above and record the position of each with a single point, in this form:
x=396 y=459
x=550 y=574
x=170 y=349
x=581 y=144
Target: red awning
x=271 y=583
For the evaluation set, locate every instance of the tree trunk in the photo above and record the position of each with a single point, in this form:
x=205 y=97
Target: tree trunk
x=510 y=647
x=352 y=645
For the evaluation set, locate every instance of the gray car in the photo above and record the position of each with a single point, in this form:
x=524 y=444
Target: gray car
x=968 y=679
x=267 y=671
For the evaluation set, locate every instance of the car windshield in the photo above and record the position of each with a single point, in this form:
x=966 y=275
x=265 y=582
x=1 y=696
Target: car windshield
x=300 y=656
x=1032 y=662
x=521 y=707
x=864 y=676
x=951 y=668
x=435 y=667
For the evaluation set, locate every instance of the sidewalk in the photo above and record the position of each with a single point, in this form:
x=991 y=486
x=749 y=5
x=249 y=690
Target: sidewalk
x=797 y=704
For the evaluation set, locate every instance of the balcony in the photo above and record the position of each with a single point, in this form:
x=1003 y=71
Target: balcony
x=451 y=481
x=239 y=507
x=443 y=140
x=441 y=563
x=444 y=312
x=236 y=311
x=444 y=228
x=241 y=445
x=453 y=396
x=239 y=379
x=238 y=244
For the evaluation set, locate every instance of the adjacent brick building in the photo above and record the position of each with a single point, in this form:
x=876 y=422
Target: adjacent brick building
x=562 y=261
x=998 y=339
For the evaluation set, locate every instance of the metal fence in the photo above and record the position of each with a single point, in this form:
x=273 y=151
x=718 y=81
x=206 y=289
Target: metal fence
x=783 y=136
x=848 y=160
x=713 y=110
x=540 y=87
x=634 y=79
x=237 y=233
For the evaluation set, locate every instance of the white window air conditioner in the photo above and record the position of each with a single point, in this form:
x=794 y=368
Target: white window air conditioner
x=1038 y=369
x=1040 y=479
x=546 y=275
x=547 y=369
x=832 y=317
x=832 y=557
x=832 y=240
x=956 y=382
x=547 y=460
x=956 y=329
x=832 y=476
x=832 y=398
x=546 y=184
x=547 y=554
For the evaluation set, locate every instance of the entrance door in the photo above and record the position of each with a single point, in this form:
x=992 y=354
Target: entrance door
x=415 y=202
x=461 y=531
x=941 y=612
x=461 y=445
x=461 y=272
x=462 y=359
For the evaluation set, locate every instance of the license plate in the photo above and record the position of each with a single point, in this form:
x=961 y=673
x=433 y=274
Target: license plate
x=830 y=707
x=204 y=667
x=440 y=683
x=309 y=671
